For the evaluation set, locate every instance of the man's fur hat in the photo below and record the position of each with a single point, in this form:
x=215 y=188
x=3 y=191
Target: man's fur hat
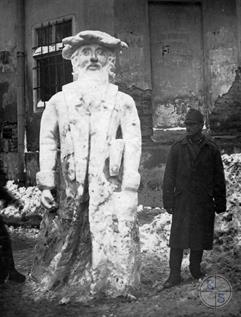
x=194 y=116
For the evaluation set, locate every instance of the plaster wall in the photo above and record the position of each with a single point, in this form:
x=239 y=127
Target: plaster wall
x=221 y=46
x=223 y=42
x=8 y=61
x=220 y=39
x=177 y=60
x=131 y=25
x=8 y=97
x=219 y=98
x=133 y=65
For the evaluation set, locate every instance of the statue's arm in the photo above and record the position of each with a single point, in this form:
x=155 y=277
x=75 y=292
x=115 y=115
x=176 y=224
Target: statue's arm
x=131 y=133
x=48 y=147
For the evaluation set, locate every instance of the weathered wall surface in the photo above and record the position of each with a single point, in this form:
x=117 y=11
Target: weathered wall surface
x=133 y=65
x=8 y=99
x=193 y=65
x=226 y=114
x=221 y=45
x=213 y=70
x=8 y=61
x=177 y=61
x=222 y=37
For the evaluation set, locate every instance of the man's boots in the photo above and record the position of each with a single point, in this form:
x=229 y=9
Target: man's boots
x=195 y=263
x=13 y=274
x=3 y=261
x=175 y=262
x=7 y=267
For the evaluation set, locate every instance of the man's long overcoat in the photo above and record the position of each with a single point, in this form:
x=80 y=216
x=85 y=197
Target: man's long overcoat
x=195 y=190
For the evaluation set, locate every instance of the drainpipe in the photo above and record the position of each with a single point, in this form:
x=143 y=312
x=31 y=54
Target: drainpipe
x=20 y=88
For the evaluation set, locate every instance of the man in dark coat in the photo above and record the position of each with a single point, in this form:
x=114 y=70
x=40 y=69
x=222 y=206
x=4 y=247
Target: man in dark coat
x=7 y=267
x=193 y=190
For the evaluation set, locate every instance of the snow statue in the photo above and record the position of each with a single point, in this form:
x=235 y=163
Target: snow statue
x=90 y=244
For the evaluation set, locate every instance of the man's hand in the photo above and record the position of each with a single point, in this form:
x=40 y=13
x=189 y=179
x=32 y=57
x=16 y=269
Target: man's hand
x=47 y=200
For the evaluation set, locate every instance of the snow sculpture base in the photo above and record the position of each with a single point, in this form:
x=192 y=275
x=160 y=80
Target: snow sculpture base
x=70 y=266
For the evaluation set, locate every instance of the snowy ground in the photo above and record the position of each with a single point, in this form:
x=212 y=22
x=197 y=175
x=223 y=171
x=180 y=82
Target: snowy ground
x=152 y=300
x=183 y=300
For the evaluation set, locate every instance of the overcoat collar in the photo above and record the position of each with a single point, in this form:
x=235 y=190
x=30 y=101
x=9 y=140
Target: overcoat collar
x=204 y=141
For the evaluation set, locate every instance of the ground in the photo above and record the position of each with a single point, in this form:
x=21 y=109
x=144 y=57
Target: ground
x=183 y=300
x=152 y=300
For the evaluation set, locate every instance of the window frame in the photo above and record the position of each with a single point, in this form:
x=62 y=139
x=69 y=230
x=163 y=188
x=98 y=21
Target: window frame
x=54 y=51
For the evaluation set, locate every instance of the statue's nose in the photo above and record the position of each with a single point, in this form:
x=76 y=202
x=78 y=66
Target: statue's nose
x=94 y=58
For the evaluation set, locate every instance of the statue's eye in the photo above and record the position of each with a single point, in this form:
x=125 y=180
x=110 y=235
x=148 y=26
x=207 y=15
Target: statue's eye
x=100 y=52
x=86 y=51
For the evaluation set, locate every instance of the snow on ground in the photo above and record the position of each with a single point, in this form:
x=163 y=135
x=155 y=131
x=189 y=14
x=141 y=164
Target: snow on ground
x=155 y=222
x=154 y=235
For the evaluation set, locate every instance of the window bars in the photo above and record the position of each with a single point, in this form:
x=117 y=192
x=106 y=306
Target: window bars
x=51 y=71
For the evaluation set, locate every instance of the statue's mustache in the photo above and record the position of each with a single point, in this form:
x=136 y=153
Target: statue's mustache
x=94 y=64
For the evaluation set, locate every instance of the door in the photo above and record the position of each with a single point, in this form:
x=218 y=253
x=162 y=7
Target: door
x=177 y=61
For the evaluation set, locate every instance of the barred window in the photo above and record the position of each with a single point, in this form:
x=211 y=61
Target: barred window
x=50 y=70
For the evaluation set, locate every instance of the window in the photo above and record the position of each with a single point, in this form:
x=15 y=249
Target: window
x=50 y=70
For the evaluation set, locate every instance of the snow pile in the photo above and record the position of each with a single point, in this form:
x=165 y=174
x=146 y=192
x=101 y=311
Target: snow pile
x=154 y=237
x=226 y=255
x=30 y=198
x=232 y=167
x=229 y=224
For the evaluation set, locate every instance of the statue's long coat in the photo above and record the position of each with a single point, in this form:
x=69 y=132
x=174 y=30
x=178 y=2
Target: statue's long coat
x=86 y=134
x=195 y=190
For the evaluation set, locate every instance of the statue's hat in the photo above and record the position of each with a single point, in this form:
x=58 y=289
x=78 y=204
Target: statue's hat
x=72 y=43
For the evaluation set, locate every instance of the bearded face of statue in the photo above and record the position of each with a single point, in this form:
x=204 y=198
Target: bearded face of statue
x=92 y=61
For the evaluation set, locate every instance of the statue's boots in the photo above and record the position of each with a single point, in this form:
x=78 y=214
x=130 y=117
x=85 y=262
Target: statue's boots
x=195 y=264
x=175 y=262
x=7 y=267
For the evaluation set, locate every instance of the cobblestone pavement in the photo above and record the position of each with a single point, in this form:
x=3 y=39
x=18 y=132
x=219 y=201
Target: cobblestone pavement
x=184 y=300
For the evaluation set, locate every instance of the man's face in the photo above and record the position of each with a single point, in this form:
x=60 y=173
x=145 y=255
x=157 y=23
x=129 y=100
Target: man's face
x=93 y=57
x=193 y=128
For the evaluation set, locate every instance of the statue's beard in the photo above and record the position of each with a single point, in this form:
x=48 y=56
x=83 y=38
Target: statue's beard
x=93 y=85
x=98 y=76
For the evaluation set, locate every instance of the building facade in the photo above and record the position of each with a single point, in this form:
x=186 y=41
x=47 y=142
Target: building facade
x=181 y=54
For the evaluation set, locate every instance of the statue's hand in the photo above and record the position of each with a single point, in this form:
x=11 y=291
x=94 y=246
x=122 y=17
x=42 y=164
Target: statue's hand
x=47 y=200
